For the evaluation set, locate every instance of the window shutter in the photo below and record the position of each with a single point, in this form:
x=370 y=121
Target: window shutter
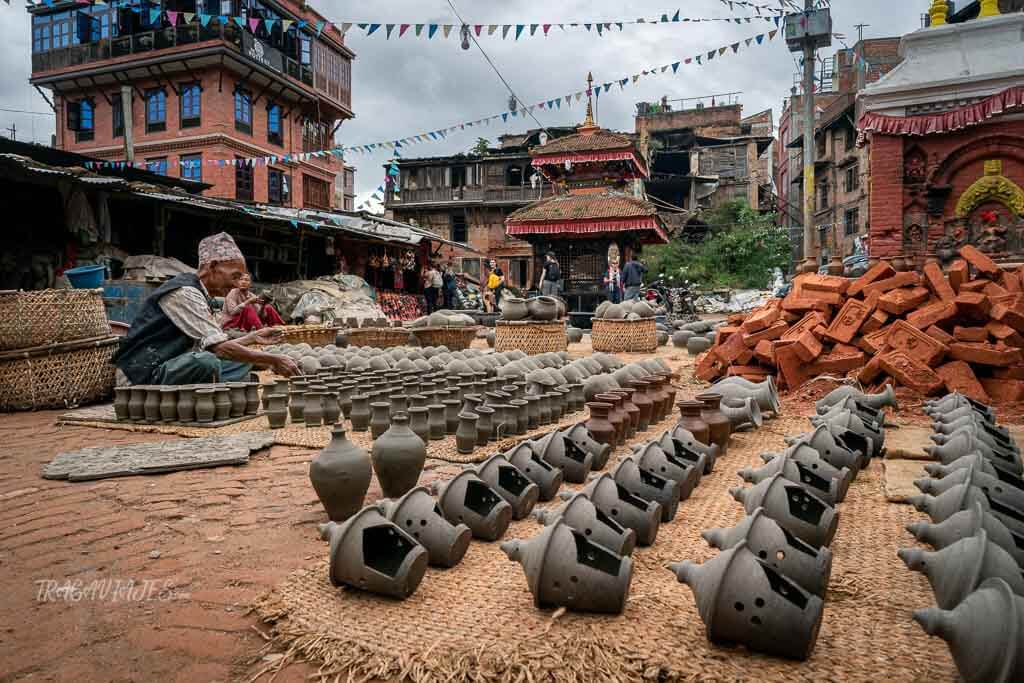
x=74 y=116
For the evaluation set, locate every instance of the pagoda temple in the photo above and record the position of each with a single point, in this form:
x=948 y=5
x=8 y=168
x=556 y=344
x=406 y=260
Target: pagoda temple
x=598 y=215
x=946 y=130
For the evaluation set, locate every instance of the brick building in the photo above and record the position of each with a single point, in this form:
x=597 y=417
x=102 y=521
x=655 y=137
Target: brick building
x=196 y=92
x=946 y=133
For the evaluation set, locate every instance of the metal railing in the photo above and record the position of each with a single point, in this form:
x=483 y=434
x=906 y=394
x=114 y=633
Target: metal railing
x=450 y=195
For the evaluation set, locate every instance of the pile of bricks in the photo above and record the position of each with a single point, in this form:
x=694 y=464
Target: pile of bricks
x=962 y=330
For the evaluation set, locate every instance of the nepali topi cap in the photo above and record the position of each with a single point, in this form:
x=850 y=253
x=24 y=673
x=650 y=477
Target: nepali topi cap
x=219 y=247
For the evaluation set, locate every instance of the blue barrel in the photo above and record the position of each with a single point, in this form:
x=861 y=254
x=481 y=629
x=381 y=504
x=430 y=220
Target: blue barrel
x=86 y=277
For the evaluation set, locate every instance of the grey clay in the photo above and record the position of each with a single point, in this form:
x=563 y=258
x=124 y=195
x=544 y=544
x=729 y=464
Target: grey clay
x=581 y=514
x=547 y=477
x=509 y=483
x=631 y=511
x=648 y=486
x=418 y=514
x=467 y=499
x=796 y=509
x=398 y=458
x=966 y=523
x=341 y=475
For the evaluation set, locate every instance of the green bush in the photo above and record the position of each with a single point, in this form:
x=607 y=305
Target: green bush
x=741 y=250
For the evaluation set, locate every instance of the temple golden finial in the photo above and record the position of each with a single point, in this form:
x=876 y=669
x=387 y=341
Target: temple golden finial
x=589 y=123
x=989 y=8
x=938 y=12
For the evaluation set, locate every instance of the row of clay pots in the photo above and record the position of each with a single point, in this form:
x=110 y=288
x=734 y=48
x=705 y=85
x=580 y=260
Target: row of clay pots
x=765 y=589
x=634 y=309
x=186 y=403
x=537 y=308
x=977 y=531
x=365 y=358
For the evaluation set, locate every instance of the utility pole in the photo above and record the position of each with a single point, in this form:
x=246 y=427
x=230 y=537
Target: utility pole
x=127 y=117
x=810 y=248
x=862 y=63
x=13 y=130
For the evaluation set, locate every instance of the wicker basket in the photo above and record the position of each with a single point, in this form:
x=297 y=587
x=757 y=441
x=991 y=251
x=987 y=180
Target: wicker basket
x=314 y=335
x=379 y=337
x=625 y=336
x=530 y=337
x=50 y=316
x=455 y=338
x=57 y=375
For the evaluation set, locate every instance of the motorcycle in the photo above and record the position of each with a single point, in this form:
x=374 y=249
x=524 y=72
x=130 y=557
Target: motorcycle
x=677 y=301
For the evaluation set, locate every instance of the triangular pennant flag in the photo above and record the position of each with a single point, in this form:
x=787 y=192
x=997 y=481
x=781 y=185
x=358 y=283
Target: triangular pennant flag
x=547 y=27
x=447 y=28
x=675 y=17
x=431 y=30
x=675 y=67
x=302 y=23
x=189 y=16
x=519 y=30
x=491 y=28
x=711 y=55
x=735 y=47
x=477 y=28
x=402 y=29
x=721 y=50
x=321 y=25
x=154 y=15
x=771 y=34
x=286 y=24
x=388 y=28
x=749 y=41
x=504 y=31
x=636 y=77
x=345 y=27
x=419 y=29
x=533 y=29
x=698 y=58
x=587 y=26
x=373 y=27
x=172 y=18
x=619 y=24
x=240 y=21
x=600 y=27
x=204 y=19
x=623 y=82
x=504 y=117
x=760 y=39
x=253 y=24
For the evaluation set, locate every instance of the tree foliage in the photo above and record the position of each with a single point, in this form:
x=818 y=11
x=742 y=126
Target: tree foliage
x=741 y=250
x=480 y=148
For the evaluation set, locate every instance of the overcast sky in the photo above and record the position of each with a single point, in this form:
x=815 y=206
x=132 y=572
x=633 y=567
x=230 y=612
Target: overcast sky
x=406 y=86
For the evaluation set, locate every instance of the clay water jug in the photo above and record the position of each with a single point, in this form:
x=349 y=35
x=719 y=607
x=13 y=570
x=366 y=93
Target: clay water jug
x=187 y=403
x=221 y=403
x=252 y=398
x=642 y=400
x=121 y=398
x=359 y=415
x=277 y=410
x=618 y=417
x=205 y=408
x=436 y=422
x=600 y=428
x=691 y=420
x=465 y=435
x=168 y=404
x=380 y=418
x=137 y=403
x=237 y=396
x=451 y=415
x=341 y=475
x=152 y=405
x=484 y=424
x=331 y=407
x=296 y=404
x=719 y=426
x=313 y=410
x=398 y=457
x=630 y=409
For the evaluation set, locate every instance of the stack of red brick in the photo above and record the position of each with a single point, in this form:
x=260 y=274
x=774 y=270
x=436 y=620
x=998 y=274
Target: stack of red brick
x=962 y=330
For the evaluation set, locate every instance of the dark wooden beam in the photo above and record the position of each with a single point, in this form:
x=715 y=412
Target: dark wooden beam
x=256 y=99
x=142 y=95
x=170 y=83
x=102 y=92
x=192 y=75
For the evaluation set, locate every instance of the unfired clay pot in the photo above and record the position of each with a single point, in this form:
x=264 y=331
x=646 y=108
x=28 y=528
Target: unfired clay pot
x=887 y=398
x=417 y=513
x=277 y=410
x=793 y=507
x=691 y=420
x=466 y=435
x=547 y=477
x=997 y=490
x=650 y=457
x=648 y=486
x=581 y=514
x=966 y=523
x=807 y=469
x=205 y=407
x=186 y=404
x=625 y=508
x=398 y=457
x=719 y=426
x=341 y=475
x=467 y=499
x=579 y=435
x=509 y=483
x=563 y=453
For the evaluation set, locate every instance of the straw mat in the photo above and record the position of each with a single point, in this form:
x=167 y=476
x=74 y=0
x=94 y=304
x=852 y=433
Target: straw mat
x=478 y=622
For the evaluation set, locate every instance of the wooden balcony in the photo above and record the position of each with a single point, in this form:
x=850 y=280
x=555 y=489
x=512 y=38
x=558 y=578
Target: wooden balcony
x=519 y=194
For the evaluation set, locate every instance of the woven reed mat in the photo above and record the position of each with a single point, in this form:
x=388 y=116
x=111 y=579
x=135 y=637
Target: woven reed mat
x=907 y=442
x=477 y=621
x=898 y=479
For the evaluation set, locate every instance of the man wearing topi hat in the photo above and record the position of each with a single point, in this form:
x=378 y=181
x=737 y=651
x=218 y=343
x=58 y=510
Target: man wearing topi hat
x=175 y=339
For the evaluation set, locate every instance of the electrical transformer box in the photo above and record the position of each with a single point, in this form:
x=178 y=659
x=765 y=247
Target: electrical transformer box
x=815 y=25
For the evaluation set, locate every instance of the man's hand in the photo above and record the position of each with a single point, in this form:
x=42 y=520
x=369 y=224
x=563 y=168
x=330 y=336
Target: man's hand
x=264 y=335
x=284 y=366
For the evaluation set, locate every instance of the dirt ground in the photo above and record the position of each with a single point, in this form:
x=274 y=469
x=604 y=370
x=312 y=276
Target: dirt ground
x=150 y=578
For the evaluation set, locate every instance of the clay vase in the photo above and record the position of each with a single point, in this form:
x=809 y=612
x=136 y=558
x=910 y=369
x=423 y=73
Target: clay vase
x=600 y=427
x=513 y=308
x=581 y=514
x=137 y=403
x=631 y=511
x=803 y=514
x=205 y=409
x=887 y=398
x=221 y=403
x=630 y=409
x=776 y=547
x=398 y=457
x=957 y=570
x=691 y=420
x=313 y=409
x=983 y=633
x=371 y=553
x=839 y=448
x=466 y=498
x=419 y=422
x=345 y=398
x=544 y=409
x=451 y=415
x=509 y=483
x=558 y=451
x=484 y=424
x=566 y=569
x=743 y=414
x=417 y=512
x=547 y=477
x=252 y=398
x=151 y=407
x=543 y=308
x=297 y=405
x=237 y=397
x=719 y=426
x=966 y=523
x=436 y=424
x=465 y=435
x=168 y=404
x=579 y=435
x=997 y=490
x=277 y=410
x=331 y=408
x=642 y=401
x=743 y=600
x=122 y=395
x=648 y=486
x=686 y=438
x=186 y=408
x=532 y=411
x=663 y=401
x=359 y=414
x=617 y=416
x=341 y=475
x=831 y=489
x=679 y=453
x=650 y=457
x=380 y=418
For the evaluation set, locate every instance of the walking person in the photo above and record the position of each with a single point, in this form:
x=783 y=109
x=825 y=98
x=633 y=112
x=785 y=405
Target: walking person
x=613 y=283
x=494 y=286
x=451 y=286
x=633 y=278
x=432 y=284
x=551 y=276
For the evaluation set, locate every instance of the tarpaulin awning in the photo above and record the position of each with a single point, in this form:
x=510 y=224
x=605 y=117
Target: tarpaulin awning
x=943 y=122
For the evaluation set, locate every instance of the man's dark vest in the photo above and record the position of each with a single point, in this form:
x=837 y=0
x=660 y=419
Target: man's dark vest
x=153 y=339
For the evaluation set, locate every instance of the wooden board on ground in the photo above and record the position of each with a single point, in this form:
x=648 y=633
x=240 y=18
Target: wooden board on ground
x=898 y=480
x=907 y=443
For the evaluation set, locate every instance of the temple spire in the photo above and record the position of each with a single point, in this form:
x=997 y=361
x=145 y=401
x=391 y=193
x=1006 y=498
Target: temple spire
x=938 y=12
x=589 y=122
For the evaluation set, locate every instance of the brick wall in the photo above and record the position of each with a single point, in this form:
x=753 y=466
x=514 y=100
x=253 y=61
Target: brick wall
x=710 y=121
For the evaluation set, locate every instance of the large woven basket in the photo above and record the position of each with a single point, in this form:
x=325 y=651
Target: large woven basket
x=57 y=375
x=314 y=335
x=624 y=336
x=530 y=337
x=455 y=338
x=50 y=316
x=378 y=337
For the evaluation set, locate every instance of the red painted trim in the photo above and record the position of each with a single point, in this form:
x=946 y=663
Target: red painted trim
x=584 y=157
x=945 y=122
x=586 y=227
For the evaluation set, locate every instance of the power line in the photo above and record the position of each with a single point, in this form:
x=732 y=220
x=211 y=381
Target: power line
x=23 y=111
x=484 y=53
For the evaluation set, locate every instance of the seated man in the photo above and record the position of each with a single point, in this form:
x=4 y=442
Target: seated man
x=246 y=311
x=175 y=338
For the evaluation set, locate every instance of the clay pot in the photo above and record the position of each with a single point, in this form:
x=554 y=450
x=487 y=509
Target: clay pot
x=546 y=476
x=810 y=567
x=807 y=469
x=845 y=419
x=650 y=457
x=954 y=401
x=963 y=443
x=680 y=338
x=691 y=420
x=576 y=398
x=887 y=398
x=996 y=490
x=205 y=408
x=574 y=335
x=839 y=448
x=627 y=406
x=136 y=403
x=944 y=418
x=598 y=384
x=237 y=397
x=544 y=412
x=168 y=404
x=484 y=424
x=581 y=514
x=719 y=426
x=277 y=410
x=331 y=407
x=341 y=475
x=743 y=600
x=599 y=426
x=419 y=422
x=542 y=308
x=297 y=405
x=513 y=308
x=468 y=499
x=359 y=414
x=509 y=483
x=983 y=633
x=966 y=523
x=629 y=510
x=418 y=514
x=648 y=486
x=743 y=414
x=737 y=388
x=680 y=455
x=398 y=457
x=313 y=410
x=252 y=398
x=686 y=437
x=221 y=403
x=371 y=553
x=186 y=408
x=380 y=418
x=558 y=451
x=962 y=497
x=979 y=461
x=797 y=510
x=566 y=569
x=697 y=345
x=122 y=395
x=642 y=400
x=451 y=415
x=151 y=406
x=616 y=415
x=957 y=570
x=875 y=419
x=436 y=424
x=465 y=435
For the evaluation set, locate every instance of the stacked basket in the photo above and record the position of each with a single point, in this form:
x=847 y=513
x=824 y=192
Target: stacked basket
x=55 y=349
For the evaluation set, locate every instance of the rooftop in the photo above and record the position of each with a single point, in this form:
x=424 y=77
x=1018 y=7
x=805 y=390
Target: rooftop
x=574 y=207
x=586 y=140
